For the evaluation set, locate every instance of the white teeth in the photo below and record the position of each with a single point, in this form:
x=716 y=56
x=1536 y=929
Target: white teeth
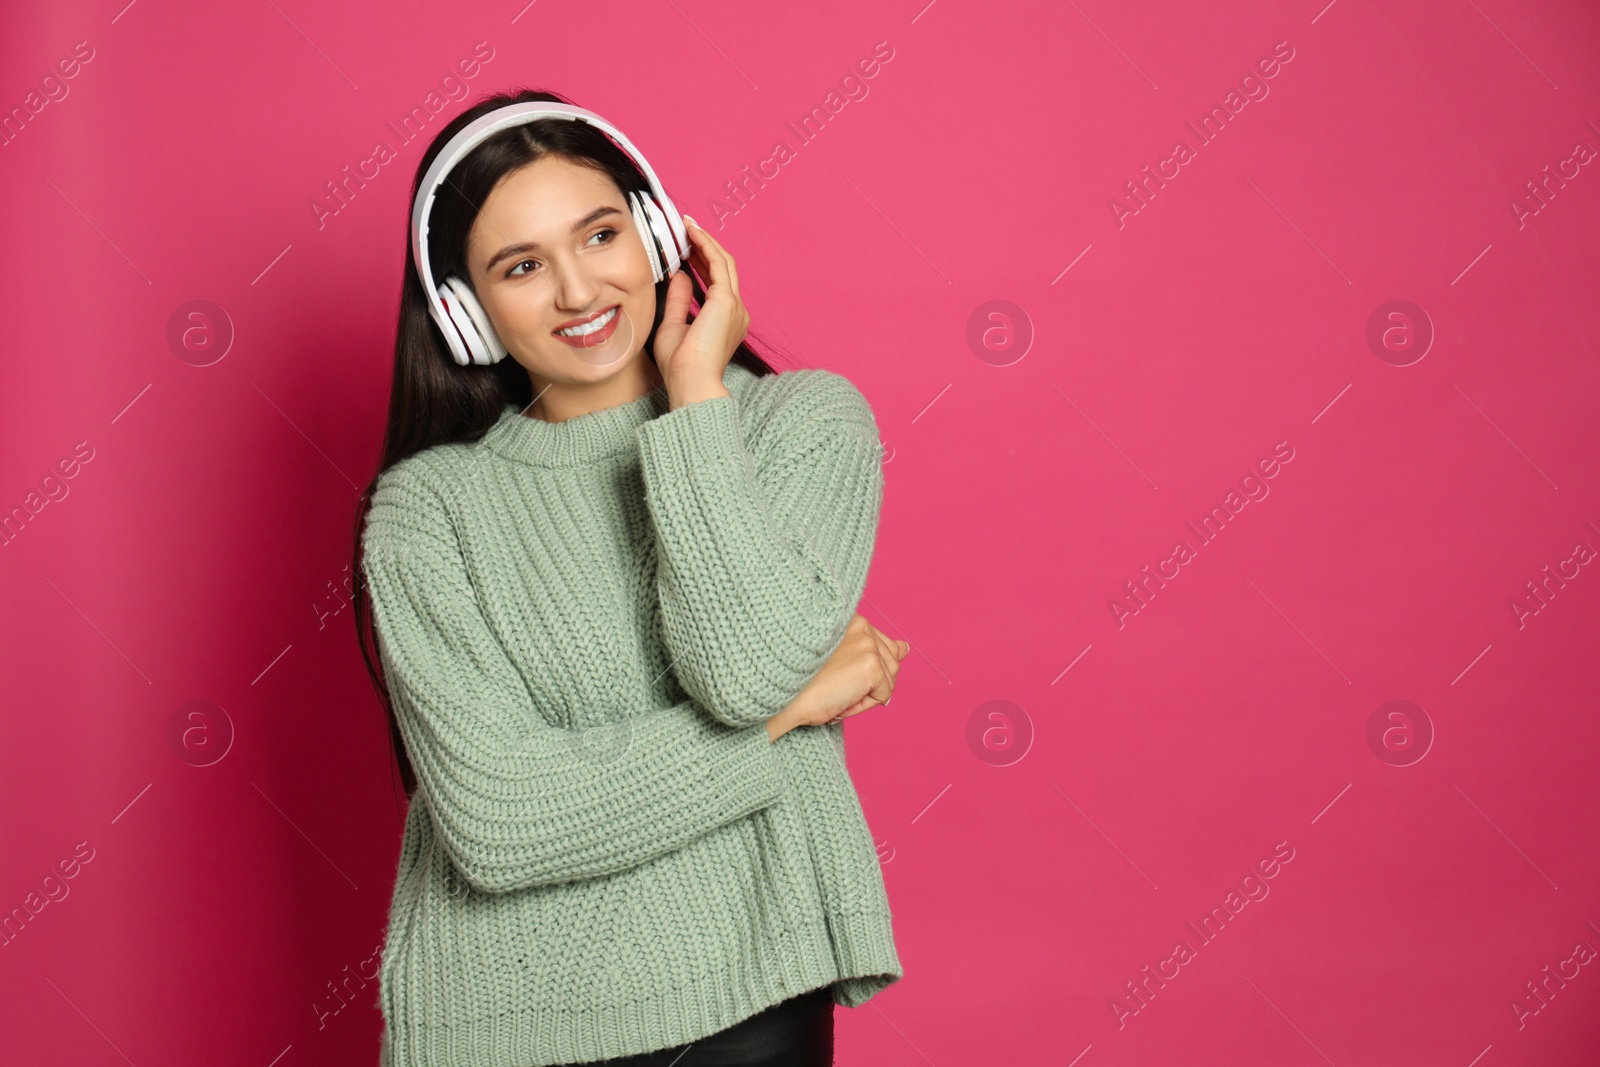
x=590 y=327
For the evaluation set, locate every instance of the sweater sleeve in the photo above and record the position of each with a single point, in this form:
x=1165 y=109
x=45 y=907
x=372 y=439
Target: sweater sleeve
x=515 y=801
x=761 y=564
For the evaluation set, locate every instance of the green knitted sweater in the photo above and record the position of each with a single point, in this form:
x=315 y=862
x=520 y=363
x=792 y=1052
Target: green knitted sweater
x=584 y=627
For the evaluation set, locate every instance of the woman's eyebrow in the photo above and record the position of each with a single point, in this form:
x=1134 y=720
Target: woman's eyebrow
x=531 y=246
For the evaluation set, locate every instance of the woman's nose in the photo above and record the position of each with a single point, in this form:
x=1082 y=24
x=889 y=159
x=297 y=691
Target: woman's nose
x=574 y=288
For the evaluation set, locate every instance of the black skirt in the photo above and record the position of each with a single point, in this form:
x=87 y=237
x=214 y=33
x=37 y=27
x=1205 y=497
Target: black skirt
x=797 y=1032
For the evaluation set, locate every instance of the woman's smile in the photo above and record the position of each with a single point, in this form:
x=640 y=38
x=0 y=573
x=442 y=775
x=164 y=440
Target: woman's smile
x=592 y=331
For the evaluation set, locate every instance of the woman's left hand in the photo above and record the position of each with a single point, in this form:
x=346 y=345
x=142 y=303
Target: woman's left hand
x=860 y=673
x=694 y=355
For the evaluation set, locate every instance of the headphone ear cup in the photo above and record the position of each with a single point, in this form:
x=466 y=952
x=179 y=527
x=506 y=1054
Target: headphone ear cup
x=641 y=223
x=478 y=330
x=458 y=330
x=663 y=232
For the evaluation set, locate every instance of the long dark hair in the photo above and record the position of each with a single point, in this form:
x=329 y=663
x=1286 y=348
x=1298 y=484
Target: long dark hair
x=432 y=399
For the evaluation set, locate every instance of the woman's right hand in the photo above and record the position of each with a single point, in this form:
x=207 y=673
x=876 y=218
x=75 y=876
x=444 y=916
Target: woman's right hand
x=860 y=674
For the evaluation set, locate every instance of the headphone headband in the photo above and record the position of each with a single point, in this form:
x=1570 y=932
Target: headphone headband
x=469 y=335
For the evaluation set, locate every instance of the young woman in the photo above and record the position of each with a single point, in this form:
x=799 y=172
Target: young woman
x=610 y=577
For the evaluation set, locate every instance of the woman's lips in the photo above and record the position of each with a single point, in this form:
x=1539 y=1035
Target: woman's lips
x=598 y=337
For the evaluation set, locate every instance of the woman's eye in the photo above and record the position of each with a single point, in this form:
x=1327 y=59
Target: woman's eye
x=609 y=235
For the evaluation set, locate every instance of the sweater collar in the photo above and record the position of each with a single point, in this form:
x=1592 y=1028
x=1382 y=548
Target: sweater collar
x=586 y=438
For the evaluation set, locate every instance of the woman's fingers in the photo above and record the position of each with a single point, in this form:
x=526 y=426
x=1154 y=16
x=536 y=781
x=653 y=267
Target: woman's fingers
x=855 y=709
x=901 y=648
x=721 y=262
x=727 y=259
x=695 y=258
x=733 y=272
x=678 y=296
x=888 y=650
x=698 y=261
x=897 y=649
x=888 y=662
x=699 y=256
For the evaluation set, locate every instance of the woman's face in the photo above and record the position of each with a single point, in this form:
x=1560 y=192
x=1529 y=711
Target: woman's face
x=555 y=246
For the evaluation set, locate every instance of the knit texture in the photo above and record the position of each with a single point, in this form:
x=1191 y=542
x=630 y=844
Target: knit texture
x=584 y=627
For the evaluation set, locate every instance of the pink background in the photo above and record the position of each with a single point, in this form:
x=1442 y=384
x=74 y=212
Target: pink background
x=1041 y=852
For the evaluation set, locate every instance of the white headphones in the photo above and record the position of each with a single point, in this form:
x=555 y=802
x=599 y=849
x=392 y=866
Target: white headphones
x=462 y=320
